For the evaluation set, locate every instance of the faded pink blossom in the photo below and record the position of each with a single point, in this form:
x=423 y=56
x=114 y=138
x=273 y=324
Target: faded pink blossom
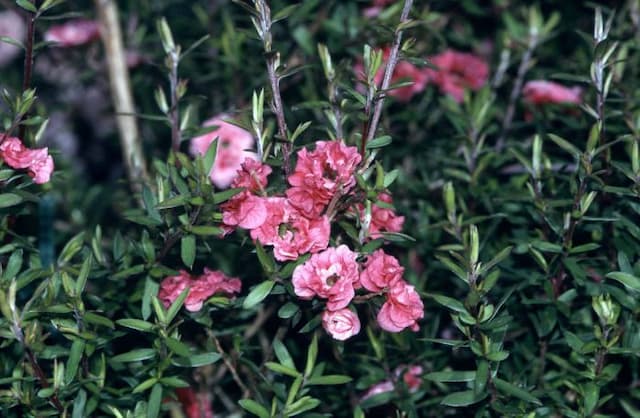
x=376 y=7
x=38 y=162
x=330 y=274
x=245 y=210
x=404 y=71
x=252 y=175
x=341 y=324
x=539 y=92
x=195 y=404
x=320 y=174
x=73 y=33
x=233 y=144
x=412 y=379
x=289 y=232
x=402 y=309
x=200 y=288
x=13 y=26
x=457 y=72
x=381 y=272
x=383 y=219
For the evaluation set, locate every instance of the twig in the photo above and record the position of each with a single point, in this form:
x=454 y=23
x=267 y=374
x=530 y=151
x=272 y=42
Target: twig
x=28 y=62
x=517 y=88
x=263 y=27
x=388 y=73
x=42 y=378
x=174 y=112
x=230 y=366
x=121 y=92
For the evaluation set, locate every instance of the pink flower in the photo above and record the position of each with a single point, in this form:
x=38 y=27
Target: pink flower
x=233 y=144
x=320 y=174
x=38 y=162
x=412 y=378
x=291 y=233
x=73 y=33
x=404 y=71
x=381 y=272
x=402 y=309
x=376 y=8
x=383 y=219
x=252 y=175
x=330 y=274
x=245 y=210
x=457 y=72
x=12 y=25
x=195 y=404
x=200 y=288
x=341 y=324
x=538 y=92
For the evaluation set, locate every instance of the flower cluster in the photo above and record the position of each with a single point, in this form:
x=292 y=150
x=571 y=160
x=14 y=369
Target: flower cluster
x=455 y=73
x=335 y=275
x=297 y=222
x=37 y=162
x=200 y=288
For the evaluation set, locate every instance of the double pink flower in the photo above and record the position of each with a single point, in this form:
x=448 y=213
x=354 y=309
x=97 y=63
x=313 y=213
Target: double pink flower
x=200 y=288
x=37 y=162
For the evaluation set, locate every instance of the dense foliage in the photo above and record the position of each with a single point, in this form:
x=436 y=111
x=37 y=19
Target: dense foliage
x=438 y=215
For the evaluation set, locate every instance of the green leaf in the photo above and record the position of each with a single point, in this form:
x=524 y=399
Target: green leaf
x=330 y=379
x=210 y=157
x=282 y=354
x=206 y=230
x=226 y=195
x=145 y=385
x=451 y=376
x=188 y=250
x=509 y=389
x=75 y=355
x=155 y=400
x=96 y=319
x=13 y=266
x=196 y=360
x=173 y=202
x=79 y=404
x=135 y=355
x=178 y=347
x=258 y=294
x=287 y=310
x=279 y=368
x=136 y=324
x=303 y=404
x=464 y=398
x=565 y=145
x=312 y=354
x=254 y=407
x=450 y=303
x=266 y=261
x=482 y=375
x=379 y=142
x=27 y=5
x=630 y=281
x=176 y=305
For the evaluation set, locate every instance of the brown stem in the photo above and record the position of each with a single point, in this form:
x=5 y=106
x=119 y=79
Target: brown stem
x=121 y=92
x=42 y=379
x=28 y=64
x=388 y=73
x=230 y=366
x=515 y=93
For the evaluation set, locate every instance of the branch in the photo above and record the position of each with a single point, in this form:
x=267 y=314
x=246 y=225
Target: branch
x=121 y=92
x=388 y=73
